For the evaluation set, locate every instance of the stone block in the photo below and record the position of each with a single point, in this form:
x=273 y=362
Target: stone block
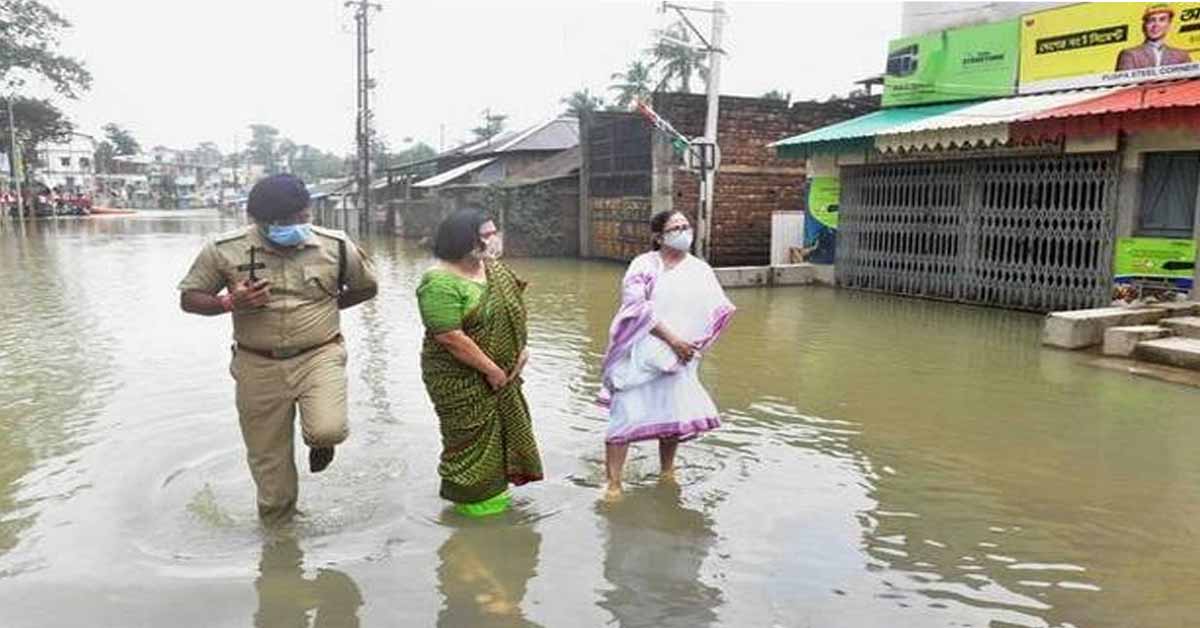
x=1123 y=341
x=743 y=276
x=793 y=274
x=1079 y=329
x=1185 y=326
x=1178 y=308
x=1181 y=352
x=826 y=274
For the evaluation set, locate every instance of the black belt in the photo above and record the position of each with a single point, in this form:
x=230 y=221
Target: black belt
x=284 y=354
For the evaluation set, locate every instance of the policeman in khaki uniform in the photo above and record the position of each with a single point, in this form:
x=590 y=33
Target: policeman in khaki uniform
x=285 y=282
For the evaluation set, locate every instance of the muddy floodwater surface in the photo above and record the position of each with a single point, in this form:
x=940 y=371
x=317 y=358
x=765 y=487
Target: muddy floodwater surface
x=883 y=462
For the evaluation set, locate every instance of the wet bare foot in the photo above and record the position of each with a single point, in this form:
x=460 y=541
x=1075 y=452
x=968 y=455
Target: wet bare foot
x=667 y=476
x=319 y=458
x=613 y=493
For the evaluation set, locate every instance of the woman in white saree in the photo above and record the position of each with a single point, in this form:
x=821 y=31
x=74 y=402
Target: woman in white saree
x=672 y=310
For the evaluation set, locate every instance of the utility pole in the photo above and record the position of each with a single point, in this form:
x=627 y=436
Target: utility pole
x=13 y=149
x=362 y=9
x=708 y=154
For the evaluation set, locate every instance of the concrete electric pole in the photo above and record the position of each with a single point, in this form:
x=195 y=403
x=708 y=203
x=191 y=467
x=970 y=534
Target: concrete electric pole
x=13 y=151
x=708 y=151
x=362 y=9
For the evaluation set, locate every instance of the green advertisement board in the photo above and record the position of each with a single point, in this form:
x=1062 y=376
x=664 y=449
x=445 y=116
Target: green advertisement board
x=1164 y=258
x=823 y=195
x=956 y=64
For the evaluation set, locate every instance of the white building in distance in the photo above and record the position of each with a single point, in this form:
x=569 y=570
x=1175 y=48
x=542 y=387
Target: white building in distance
x=69 y=165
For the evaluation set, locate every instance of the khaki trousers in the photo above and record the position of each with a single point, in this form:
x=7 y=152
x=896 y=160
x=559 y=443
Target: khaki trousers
x=268 y=394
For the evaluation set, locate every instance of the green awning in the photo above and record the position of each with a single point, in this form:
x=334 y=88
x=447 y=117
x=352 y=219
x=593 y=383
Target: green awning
x=858 y=132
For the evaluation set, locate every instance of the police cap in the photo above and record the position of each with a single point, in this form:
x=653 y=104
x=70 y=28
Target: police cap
x=277 y=196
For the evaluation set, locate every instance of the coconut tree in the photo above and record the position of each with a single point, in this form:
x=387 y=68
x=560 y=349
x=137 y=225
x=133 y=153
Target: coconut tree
x=676 y=58
x=581 y=102
x=633 y=84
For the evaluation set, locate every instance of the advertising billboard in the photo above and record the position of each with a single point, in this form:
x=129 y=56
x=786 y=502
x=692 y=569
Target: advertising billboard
x=951 y=65
x=1155 y=258
x=1096 y=44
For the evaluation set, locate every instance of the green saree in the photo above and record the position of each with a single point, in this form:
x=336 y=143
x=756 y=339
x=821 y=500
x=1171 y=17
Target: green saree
x=487 y=436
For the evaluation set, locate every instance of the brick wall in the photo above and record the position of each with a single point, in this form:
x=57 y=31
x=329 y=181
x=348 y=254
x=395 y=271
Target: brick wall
x=620 y=227
x=752 y=182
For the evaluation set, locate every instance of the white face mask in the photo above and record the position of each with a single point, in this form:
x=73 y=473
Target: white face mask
x=679 y=240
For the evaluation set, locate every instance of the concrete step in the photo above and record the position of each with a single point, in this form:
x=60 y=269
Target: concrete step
x=1177 y=309
x=743 y=276
x=1123 y=341
x=1085 y=328
x=793 y=274
x=1181 y=352
x=1185 y=326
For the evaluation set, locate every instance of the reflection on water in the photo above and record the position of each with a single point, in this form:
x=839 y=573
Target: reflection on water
x=653 y=551
x=883 y=462
x=484 y=568
x=289 y=599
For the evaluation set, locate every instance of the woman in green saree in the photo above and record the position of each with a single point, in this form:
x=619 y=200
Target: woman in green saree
x=474 y=351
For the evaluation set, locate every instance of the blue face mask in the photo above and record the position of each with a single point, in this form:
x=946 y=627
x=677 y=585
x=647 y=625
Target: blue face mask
x=289 y=235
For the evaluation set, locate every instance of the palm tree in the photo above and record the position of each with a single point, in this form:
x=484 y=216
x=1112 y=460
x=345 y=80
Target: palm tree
x=675 y=58
x=633 y=84
x=581 y=102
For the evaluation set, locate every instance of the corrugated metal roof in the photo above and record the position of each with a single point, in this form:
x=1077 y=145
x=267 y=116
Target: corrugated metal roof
x=561 y=165
x=557 y=134
x=453 y=173
x=983 y=123
x=1158 y=96
x=864 y=126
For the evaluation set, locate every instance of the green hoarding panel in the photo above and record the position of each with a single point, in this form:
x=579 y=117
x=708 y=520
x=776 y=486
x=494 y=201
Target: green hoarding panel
x=958 y=64
x=823 y=198
x=1165 y=258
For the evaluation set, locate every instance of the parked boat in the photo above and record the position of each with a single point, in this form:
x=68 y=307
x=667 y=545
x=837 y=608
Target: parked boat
x=111 y=211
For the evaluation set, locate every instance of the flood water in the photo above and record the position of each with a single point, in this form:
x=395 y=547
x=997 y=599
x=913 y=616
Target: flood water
x=884 y=462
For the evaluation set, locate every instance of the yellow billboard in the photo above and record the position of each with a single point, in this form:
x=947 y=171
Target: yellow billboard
x=1093 y=44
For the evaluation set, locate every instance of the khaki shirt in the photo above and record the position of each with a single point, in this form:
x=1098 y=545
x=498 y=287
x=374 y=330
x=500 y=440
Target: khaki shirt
x=302 y=311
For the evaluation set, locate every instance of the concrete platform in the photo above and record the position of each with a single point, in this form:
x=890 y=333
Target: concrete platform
x=1181 y=352
x=743 y=276
x=1123 y=341
x=1178 y=308
x=778 y=275
x=1185 y=326
x=1085 y=328
x=793 y=275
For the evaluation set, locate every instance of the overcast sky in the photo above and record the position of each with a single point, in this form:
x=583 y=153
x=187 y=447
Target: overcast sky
x=180 y=72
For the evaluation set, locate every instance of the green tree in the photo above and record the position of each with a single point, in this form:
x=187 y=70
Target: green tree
x=104 y=157
x=313 y=164
x=285 y=152
x=209 y=153
x=777 y=94
x=581 y=102
x=36 y=121
x=121 y=140
x=493 y=125
x=633 y=84
x=29 y=36
x=675 y=58
x=264 y=140
x=418 y=152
